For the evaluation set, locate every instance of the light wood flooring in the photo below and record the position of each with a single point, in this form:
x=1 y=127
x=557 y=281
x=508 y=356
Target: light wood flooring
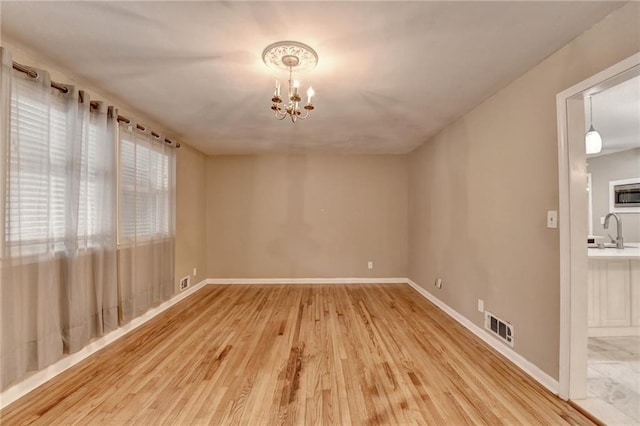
x=295 y=354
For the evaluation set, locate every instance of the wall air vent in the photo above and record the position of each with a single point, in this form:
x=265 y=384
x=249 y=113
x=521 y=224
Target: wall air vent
x=184 y=282
x=501 y=329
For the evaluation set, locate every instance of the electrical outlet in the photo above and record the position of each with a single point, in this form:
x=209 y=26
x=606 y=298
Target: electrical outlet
x=195 y=271
x=438 y=283
x=370 y=264
x=480 y=305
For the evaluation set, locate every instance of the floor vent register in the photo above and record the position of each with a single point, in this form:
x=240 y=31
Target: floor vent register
x=501 y=329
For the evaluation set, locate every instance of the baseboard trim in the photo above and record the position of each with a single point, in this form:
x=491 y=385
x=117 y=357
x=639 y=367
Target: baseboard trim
x=307 y=280
x=525 y=365
x=40 y=377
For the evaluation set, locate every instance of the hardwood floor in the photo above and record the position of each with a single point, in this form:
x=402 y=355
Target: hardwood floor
x=295 y=354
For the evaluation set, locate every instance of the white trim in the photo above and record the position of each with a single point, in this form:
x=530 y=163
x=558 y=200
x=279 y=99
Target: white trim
x=590 y=202
x=565 y=250
x=307 y=280
x=521 y=362
x=572 y=333
x=40 y=377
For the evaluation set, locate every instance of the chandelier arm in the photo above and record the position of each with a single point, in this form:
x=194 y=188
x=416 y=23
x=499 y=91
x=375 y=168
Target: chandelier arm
x=279 y=114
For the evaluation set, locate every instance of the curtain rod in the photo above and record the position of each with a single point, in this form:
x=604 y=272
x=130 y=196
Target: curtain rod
x=94 y=104
x=34 y=74
x=142 y=128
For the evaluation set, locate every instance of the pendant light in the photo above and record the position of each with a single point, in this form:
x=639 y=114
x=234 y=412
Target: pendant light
x=592 y=140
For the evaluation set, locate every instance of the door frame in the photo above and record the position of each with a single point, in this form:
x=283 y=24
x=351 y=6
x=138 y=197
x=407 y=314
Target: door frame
x=573 y=249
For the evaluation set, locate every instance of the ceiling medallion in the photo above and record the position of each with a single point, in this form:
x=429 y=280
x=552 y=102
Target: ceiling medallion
x=283 y=55
x=290 y=56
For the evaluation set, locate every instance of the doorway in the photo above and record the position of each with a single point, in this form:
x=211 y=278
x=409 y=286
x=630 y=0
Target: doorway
x=584 y=272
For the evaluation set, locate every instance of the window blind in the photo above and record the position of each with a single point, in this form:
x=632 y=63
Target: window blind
x=144 y=187
x=38 y=204
x=36 y=188
x=46 y=205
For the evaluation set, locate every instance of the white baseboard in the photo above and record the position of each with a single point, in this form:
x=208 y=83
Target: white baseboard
x=527 y=366
x=307 y=280
x=40 y=377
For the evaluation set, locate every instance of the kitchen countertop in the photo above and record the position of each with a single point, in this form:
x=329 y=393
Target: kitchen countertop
x=630 y=252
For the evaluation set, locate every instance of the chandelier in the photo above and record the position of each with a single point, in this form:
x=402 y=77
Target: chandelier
x=290 y=56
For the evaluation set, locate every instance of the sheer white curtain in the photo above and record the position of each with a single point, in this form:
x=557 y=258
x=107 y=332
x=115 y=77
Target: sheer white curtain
x=58 y=276
x=147 y=234
x=89 y=271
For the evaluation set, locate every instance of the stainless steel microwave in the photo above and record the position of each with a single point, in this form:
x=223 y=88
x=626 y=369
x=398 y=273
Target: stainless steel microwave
x=626 y=195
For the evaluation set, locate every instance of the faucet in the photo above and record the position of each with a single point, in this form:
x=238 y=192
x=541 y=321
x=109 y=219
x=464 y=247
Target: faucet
x=619 y=241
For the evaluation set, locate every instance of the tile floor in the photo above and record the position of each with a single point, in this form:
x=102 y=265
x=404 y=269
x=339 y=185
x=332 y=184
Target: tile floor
x=613 y=380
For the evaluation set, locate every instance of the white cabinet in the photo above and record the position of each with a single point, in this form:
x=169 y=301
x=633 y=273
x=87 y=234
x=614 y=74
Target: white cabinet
x=635 y=292
x=593 y=288
x=613 y=301
x=615 y=294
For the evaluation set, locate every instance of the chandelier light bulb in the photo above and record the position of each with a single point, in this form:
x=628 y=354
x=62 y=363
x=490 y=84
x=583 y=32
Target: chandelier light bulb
x=277 y=87
x=310 y=93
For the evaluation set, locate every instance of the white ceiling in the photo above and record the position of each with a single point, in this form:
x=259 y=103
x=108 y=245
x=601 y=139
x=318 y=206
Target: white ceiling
x=390 y=74
x=616 y=116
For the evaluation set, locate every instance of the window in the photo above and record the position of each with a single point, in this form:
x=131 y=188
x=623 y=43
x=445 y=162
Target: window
x=36 y=187
x=144 y=187
x=40 y=186
x=59 y=181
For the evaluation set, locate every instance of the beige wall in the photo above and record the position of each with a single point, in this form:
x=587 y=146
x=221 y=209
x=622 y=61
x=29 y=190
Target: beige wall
x=479 y=192
x=306 y=216
x=190 y=214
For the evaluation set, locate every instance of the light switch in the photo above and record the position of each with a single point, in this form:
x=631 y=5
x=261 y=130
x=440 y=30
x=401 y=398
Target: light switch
x=552 y=219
